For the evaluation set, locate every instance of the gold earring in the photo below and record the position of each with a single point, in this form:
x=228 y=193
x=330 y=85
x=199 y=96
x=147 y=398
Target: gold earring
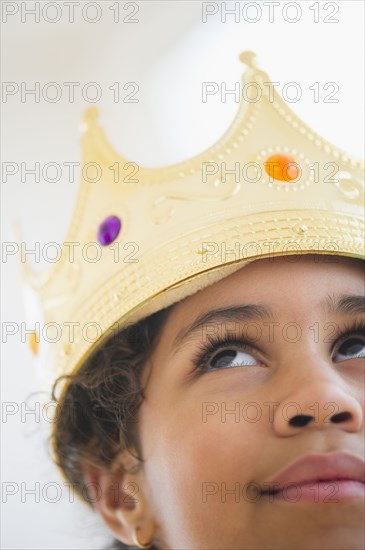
x=136 y=541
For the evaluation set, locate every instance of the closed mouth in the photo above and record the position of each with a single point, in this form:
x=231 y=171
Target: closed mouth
x=311 y=482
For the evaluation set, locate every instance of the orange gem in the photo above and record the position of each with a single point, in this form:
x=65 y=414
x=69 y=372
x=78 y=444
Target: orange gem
x=282 y=168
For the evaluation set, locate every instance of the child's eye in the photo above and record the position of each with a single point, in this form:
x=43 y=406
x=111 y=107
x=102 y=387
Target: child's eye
x=352 y=348
x=232 y=352
x=231 y=358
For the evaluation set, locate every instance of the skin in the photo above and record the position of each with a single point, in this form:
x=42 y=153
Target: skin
x=167 y=498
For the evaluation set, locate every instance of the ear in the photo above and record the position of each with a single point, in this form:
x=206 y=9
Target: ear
x=119 y=496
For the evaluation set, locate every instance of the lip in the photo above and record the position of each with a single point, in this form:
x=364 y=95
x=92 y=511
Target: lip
x=315 y=474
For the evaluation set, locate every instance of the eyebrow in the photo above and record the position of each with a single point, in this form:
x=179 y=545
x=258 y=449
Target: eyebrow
x=346 y=304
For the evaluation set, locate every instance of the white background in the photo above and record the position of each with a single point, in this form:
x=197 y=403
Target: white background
x=168 y=53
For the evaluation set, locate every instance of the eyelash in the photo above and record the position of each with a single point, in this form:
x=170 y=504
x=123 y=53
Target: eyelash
x=215 y=343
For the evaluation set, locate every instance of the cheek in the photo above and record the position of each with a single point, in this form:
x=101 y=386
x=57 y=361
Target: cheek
x=194 y=462
x=190 y=461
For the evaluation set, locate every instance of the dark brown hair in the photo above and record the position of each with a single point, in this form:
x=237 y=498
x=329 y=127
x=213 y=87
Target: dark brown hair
x=98 y=417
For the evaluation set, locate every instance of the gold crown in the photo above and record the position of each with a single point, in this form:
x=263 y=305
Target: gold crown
x=270 y=186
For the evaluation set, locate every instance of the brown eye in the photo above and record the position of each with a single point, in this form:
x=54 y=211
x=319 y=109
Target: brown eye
x=231 y=358
x=352 y=348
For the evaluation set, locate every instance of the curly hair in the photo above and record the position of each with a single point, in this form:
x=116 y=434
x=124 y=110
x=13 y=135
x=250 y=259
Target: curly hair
x=98 y=417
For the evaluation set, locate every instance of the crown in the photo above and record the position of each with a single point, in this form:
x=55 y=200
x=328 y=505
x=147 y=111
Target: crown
x=141 y=239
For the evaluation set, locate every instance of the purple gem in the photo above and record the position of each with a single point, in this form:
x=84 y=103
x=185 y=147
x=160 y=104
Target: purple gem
x=109 y=230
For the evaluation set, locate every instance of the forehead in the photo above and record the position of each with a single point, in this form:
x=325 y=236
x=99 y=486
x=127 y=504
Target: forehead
x=295 y=284
x=297 y=291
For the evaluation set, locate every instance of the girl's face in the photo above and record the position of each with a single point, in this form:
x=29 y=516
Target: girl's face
x=285 y=385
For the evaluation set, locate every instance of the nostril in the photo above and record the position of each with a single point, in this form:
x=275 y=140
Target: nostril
x=340 y=417
x=300 y=420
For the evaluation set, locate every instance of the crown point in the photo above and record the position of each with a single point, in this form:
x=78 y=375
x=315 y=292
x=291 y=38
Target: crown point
x=248 y=58
x=90 y=115
x=109 y=230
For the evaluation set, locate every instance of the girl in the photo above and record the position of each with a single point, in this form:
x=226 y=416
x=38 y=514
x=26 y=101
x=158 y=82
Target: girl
x=221 y=404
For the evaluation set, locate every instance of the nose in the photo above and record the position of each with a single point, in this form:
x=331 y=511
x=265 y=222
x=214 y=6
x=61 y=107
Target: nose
x=322 y=405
